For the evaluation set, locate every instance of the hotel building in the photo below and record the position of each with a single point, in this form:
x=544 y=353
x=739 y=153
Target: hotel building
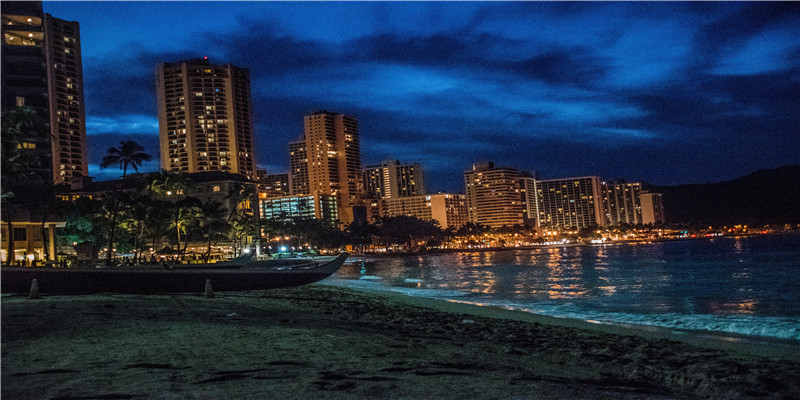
x=42 y=69
x=652 y=208
x=298 y=167
x=204 y=116
x=566 y=203
x=493 y=195
x=285 y=208
x=392 y=179
x=449 y=210
x=622 y=203
x=327 y=160
x=274 y=185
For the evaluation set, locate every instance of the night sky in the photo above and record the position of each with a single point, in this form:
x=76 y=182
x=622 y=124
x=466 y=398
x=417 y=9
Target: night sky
x=666 y=93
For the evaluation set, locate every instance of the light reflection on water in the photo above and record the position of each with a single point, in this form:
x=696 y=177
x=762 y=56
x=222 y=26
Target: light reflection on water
x=758 y=275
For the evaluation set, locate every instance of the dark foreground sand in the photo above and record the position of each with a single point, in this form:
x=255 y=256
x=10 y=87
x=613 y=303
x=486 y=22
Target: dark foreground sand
x=323 y=342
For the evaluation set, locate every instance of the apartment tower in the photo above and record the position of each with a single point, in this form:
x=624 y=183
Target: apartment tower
x=652 y=208
x=493 y=195
x=622 y=203
x=327 y=160
x=204 y=118
x=41 y=69
x=392 y=179
x=298 y=167
x=568 y=203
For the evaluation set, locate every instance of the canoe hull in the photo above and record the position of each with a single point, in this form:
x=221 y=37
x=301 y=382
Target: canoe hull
x=154 y=280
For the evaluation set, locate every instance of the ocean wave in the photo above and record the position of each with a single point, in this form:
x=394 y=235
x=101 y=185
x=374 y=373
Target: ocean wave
x=748 y=325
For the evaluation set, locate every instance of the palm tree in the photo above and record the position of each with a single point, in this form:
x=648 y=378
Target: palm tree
x=140 y=207
x=184 y=213
x=128 y=154
x=240 y=196
x=211 y=218
x=18 y=164
x=241 y=227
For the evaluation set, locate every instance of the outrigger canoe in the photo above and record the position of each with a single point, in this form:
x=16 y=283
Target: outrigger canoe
x=188 y=278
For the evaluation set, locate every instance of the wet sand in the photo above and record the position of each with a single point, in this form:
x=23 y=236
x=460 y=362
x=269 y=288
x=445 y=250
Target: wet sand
x=323 y=342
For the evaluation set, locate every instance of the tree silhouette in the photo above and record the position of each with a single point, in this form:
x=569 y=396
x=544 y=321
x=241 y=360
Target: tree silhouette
x=18 y=163
x=128 y=154
x=212 y=223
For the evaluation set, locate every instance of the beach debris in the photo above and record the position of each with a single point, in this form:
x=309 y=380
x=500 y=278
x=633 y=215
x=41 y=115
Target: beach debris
x=209 y=290
x=34 y=293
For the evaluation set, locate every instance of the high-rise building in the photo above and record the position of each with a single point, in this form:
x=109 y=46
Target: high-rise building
x=622 y=203
x=568 y=203
x=493 y=195
x=527 y=186
x=42 y=69
x=204 y=118
x=333 y=160
x=392 y=179
x=298 y=167
x=274 y=185
x=652 y=208
x=449 y=210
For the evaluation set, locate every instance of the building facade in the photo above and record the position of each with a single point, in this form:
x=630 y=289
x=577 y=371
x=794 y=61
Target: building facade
x=652 y=208
x=527 y=187
x=449 y=210
x=286 y=208
x=493 y=196
x=332 y=153
x=204 y=115
x=568 y=203
x=622 y=203
x=274 y=185
x=42 y=69
x=298 y=167
x=392 y=179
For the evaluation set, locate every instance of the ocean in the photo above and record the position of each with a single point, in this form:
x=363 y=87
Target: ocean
x=739 y=286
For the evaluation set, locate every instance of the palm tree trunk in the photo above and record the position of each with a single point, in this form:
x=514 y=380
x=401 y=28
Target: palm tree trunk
x=139 y=240
x=208 y=252
x=110 y=252
x=45 y=241
x=178 y=229
x=10 y=253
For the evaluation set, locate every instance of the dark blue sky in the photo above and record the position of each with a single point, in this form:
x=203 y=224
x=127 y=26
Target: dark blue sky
x=667 y=93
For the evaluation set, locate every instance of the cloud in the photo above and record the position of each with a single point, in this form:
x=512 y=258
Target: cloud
x=613 y=89
x=122 y=124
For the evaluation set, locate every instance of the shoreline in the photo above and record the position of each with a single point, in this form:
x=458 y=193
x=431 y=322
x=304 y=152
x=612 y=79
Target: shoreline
x=746 y=345
x=400 y=254
x=320 y=341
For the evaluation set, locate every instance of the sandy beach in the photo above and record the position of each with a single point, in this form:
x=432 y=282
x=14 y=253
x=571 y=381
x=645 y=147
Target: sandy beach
x=318 y=342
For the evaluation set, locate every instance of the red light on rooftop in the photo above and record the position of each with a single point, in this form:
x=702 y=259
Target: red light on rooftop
x=205 y=58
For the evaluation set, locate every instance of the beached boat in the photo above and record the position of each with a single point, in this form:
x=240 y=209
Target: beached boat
x=238 y=274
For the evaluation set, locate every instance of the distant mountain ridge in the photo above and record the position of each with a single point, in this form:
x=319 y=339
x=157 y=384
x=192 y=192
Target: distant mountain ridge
x=767 y=196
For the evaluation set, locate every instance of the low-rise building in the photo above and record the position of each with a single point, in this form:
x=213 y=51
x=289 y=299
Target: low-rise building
x=286 y=208
x=449 y=210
